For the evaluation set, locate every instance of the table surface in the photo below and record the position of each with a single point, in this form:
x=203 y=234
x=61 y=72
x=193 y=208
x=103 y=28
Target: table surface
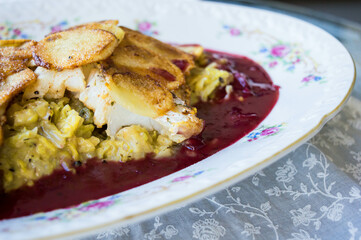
x=312 y=193
x=349 y=9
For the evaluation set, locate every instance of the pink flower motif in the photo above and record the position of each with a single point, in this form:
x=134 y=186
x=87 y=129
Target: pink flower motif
x=307 y=79
x=17 y=31
x=234 y=32
x=55 y=29
x=2 y=28
x=144 y=26
x=179 y=179
x=280 y=51
x=96 y=205
x=269 y=131
x=272 y=64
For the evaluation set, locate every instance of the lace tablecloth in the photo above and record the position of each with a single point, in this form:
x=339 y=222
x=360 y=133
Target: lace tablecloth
x=312 y=193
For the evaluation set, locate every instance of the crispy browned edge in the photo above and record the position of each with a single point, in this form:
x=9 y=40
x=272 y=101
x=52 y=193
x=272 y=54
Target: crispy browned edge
x=159 y=47
x=42 y=52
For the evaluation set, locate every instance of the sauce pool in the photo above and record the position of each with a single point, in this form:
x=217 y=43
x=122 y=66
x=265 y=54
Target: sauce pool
x=226 y=121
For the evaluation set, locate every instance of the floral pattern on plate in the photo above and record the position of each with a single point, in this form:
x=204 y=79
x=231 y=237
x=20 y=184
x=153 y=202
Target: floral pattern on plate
x=59 y=26
x=146 y=27
x=280 y=54
x=264 y=131
x=285 y=54
x=290 y=56
x=8 y=30
x=232 y=30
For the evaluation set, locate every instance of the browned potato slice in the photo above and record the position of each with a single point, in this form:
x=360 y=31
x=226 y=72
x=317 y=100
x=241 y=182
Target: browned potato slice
x=139 y=94
x=145 y=62
x=14 y=84
x=108 y=25
x=9 y=66
x=13 y=42
x=74 y=47
x=183 y=60
x=22 y=52
x=14 y=56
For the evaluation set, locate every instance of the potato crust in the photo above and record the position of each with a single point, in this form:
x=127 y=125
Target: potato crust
x=156 y=46
x=14 y=84
x=73 y=48
x=107 y=25
x=14 y=56
x=10 y=66
x=142 y=94
x=17 y=50
x=145 y=62
x=13 y=42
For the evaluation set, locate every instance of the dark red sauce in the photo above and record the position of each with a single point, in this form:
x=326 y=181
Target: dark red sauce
x=181 y=64
x=226 y=121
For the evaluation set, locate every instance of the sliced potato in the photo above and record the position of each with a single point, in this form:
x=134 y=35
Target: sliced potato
x=183 y=60
x=108 y=25
x=15 y=53
x=12 y=49
x=145 y=62
x=14 y=56
x=13 y=42
x=139 y=94
x=14 y=84
x=9 y=66
x=74 y=47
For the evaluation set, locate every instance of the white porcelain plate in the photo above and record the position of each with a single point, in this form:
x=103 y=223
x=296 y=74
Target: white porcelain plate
x=314 y=70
